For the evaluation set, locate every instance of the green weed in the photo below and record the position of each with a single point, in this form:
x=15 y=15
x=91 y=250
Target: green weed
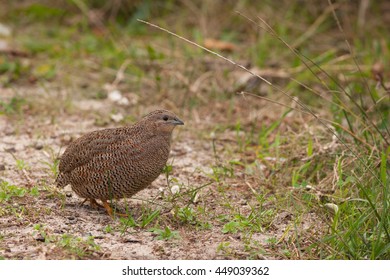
x=9 y=191
x=77 y=245
x=14 y=106
x=165 y=234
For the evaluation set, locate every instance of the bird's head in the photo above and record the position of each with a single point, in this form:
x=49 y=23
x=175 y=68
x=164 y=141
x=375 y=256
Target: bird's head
x=162 y=121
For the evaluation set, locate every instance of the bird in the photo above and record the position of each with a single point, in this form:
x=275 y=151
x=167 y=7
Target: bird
x=117 y=163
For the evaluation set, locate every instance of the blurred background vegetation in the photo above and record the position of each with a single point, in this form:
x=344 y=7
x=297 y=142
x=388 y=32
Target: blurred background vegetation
x=54 y=55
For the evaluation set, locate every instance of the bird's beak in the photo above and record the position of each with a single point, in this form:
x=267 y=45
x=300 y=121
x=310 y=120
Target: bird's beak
x=177 y=121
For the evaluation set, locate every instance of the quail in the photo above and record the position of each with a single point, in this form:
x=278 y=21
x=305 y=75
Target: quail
x=116 y=163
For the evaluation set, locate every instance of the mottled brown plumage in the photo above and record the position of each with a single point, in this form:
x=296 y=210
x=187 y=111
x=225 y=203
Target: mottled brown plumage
x=118 y=162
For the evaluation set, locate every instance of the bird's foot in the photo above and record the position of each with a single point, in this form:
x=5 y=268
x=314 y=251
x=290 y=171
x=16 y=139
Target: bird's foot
x=110 y=212
x=82 y=203
x=93 y=203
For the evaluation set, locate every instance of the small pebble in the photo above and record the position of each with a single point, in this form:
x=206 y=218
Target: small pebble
x=131 y=241
x=40 y=238
x=10 y=150
x=117 y=117
x=38 y=145
x=175 y=189
x=115 y=95
x=66 y=138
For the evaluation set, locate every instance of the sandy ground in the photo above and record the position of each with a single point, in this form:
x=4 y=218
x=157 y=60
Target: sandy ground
x=37 y=142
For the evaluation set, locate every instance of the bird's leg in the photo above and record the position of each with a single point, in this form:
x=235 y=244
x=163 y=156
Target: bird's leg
x=110 y=212
x=94 y=203
x=83 y=202
x=108 y=208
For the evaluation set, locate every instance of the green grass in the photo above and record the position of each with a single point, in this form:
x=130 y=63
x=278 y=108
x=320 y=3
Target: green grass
x=75 y=247
x=78 y=246
x=9 y=191
x=13 y=106
x=164 y=234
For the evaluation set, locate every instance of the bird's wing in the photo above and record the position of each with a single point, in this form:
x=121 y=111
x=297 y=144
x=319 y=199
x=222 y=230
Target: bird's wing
x=85 y=148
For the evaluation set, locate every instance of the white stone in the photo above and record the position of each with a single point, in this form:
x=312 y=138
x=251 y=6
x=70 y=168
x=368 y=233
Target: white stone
x=115 y=96
x=117 y=117
x=5 y=30
x=175 y=189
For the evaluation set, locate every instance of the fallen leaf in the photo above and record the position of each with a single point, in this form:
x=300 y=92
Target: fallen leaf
x=219 y=45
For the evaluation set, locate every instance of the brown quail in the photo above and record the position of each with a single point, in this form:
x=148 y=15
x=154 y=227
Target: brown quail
x=118 y=162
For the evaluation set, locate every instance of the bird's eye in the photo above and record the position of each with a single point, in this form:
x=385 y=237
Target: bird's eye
x=165 y=118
